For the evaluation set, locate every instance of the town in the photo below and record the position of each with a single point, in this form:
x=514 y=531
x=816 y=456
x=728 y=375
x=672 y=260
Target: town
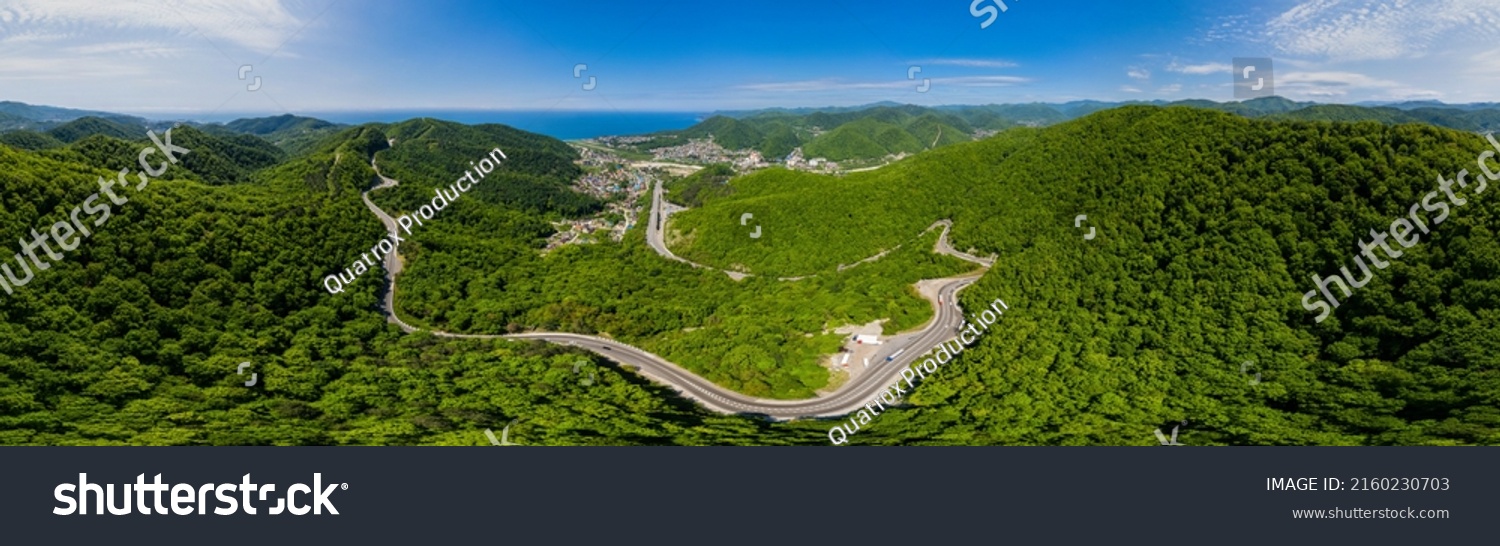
x=620 y=181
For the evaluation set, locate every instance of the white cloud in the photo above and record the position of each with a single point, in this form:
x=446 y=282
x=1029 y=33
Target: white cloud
x=1373 y=29
x=1200 y=69
x=983 y=81
x=94 y=68
x=1484 y=65
x=1333 y=84
x=1416 y=94
x=154 y=54
x=829 y=84
x=1299 y=63
x=140 y=48
x=1129 y=89
x=260 y=26
x=1170 y=89
x=33 y=37
x=973 y=63
x=1332 y=79
x=807 y=85
x=1137 y=73
x=1325 y=93
x=1230 y=28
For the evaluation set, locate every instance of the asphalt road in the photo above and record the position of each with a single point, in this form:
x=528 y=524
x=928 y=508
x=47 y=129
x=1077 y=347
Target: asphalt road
x=849 y=397
x=393 y=259
x=944 y=248
x=657 y=227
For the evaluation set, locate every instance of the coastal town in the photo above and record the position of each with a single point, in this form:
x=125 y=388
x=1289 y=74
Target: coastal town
x=618 y=172
x=617 y=181
x=706 y=151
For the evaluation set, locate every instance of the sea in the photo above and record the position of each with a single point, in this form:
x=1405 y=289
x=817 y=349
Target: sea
x=565 y=125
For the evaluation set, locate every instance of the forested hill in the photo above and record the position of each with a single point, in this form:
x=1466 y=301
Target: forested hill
x=841 y=135
x=884 y=129
x=537 y=179
x=135 y=336
x=1209 y=229
x=274 y=124
x=295 y=134
x=32 y=127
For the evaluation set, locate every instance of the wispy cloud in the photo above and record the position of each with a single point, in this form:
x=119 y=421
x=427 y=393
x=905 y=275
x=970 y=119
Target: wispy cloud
x=31 y=37
x=140 y=48
x=806 y=85
x=1416 y=94
x=1170 y=89
x=1129 y=89
x=1236 y=28
x=1199 y=69
x=831 y=84
x=89 y=68
x=984 y=81
x=1332 y=79
x=1485 y=65
x=1138 y=73
x=1371 y=29
x=260 y=26
x=972 y=63
x=1332 y=84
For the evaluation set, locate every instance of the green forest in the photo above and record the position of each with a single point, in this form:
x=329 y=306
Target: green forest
x=864 y=134
x=134 y=339
x=479 y=270
x=1209 y=225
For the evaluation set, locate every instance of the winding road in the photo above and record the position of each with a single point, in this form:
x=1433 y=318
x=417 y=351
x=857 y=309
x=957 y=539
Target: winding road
x=848 y=398
x=661 y=210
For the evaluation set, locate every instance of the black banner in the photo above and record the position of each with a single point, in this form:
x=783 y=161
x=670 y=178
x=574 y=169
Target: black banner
x=1042 y=495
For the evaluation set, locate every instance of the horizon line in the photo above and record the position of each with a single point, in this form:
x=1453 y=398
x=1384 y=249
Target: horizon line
x=189 y=115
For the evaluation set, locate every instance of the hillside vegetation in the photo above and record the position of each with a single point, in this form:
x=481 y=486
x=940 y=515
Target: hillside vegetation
x=80 y=128
x=294 y=134
x=875 y=131
x=1210 y=227
x=478 y=270
x=869 y=133
x=692 y=190
x=134 y=338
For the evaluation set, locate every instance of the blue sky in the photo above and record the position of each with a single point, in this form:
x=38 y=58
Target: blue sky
x=184 y=57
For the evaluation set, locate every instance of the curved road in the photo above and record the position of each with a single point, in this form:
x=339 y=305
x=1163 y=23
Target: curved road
x=849 y=397
x=656 y=229
x=661 y=210
x=944 y=248
x=393 y=259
